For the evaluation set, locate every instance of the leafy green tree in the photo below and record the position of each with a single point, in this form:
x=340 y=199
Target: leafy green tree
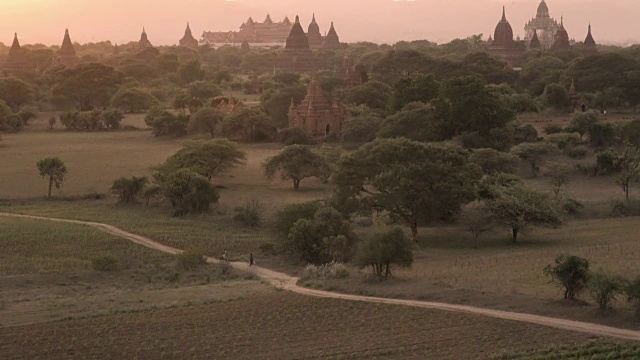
x=133 y=100
x=287 y=216
x=27 y=113
x=537 y=73
x=361 y=129
x=250 y=125
x=295 y=136
x=556 y=96
x=276 y=102
x=416 y=122
x=189 y=192
x=140 y=71
x=605 y=288
x=207 y=118
x=150 y=192
x=181 y=102
x=476 y=220
x=558 y=175
x=128 y=189
x=88 y=85
x=190 y=71
x=165 y=123
x=602 y=135
x=203 y=90
x=295 y=162
x=374 y=94
x=611 y=69
x=494 y=162
x=570 y=273
x=384 y=250
x=421 y=88
x=166 y=63
x=518 y=207
x=582 y=122
x=632 y=291
x=325 y=238
x=54 y=170
x=416 y=182
x=533 y=153
x=210 y=159
x=16 y=93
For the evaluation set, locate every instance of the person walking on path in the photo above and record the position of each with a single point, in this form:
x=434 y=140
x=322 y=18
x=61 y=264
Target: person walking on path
x=225 y=258
x=251 y=263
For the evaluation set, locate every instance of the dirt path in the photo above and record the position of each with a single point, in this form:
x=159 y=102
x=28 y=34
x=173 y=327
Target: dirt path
x=289 y=283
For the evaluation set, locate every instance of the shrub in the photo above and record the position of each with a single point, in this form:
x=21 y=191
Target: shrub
x=608 y=162
x=104 y=263
x=191 y=259
x=604 y=289
x=570 y=273
x=332 y=270
x=294 y=136
x=553 y=129
x=563 y=141
x=493 y=162
x=575 y=152
x=268 y=248
x=632 y=291
x=129 y=189
x=165 y=123
x=27 y=113
x=288 y=216
x=525 y=133
x=189 y=192
x=384 y=249
x=96 y=120
x=630 y=208
x=602 y=135
x=250 y=214
x=572 y=206
x=151 y=192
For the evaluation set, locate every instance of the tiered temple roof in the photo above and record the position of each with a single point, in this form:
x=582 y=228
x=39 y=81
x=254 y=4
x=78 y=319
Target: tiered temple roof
x=561 y=38
x=188 y=40
x=543 y=24
x=267 y=33
x=589 y=46
x=17 y=60
x=313 y=33
x=535 y=44
x=332 y=41
x=315 y=115
x=503 y=44
x=67 y=53
x=297 y=55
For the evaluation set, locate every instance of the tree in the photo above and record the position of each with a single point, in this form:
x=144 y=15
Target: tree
x=54 y=170
x=26 y=114
x=632 y=291
x=325 y=238
x=384 y=249
x=203 y=90
x=629 y=163
x=556 y=96
x=570 y=273
x=476 y=220
x=189 y=192
x=605 y=288
x=190 y=71
x=128 y=189
x=361 y=129
x=374 y=94
x=558 y=176
x=414 y=182
x=421 y=88
x=140 y=71
x=165 y=123
x=494 y=162
x=133 y=100
x=416 y=122
x=276 y=102
x=88 y=85
x=250 y=125
x=290 y=214
x=582 y=122
x=533 y=153
x=15 y=92
x=209 y=159
x=166 y=63
x=602 y=135
x=295 y=162
x=207 y=118
x=52 y=122
x=518 y=207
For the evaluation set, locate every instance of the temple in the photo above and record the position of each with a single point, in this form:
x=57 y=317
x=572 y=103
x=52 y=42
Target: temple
x=535 y=44
x=17 y=60
x=268 y=34
x=576 y=102
x=297 y=55
x=544 y=25
x=188 y=40
x=67 y=53
x=353 y=75
x=561 y=38
x=315 y=115
x=144 y=42
x=503 y=44
x=589 y=45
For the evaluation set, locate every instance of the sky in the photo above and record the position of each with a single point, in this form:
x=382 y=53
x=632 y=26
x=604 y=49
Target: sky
x=381 y=21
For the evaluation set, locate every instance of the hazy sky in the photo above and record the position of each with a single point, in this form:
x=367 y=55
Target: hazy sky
x=614 y=21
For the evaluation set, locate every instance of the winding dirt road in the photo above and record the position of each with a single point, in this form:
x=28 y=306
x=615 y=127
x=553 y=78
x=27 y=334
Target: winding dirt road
x=289 y=283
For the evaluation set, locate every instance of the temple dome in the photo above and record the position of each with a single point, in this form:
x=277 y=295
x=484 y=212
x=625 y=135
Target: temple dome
x=332 y=40
x=313 y=27
x=589 y=41
x=297 y=38
x=503 y=36
x=561 y=38
x=543 y=10
x=67 y=46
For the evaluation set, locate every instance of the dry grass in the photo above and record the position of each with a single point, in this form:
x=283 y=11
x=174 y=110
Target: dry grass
x=280 y=326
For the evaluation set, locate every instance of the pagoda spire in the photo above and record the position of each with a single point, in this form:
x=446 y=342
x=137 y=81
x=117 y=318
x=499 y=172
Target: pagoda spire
x=16 y=43
x=504 y=13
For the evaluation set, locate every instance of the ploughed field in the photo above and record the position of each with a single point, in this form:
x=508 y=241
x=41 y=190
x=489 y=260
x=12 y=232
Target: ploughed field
x=281 y=325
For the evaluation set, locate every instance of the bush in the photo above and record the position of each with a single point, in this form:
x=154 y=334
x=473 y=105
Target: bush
x=332 y=270
x=604 y=289
x=165 y=123
x=250 y=214
x=268 y=248
x=129 y=189
x=526 y=134
x=632 y=291
x=553 y=129
x=575 y=152
x=494 y=162
x=294 y=136
x=104 y=263
x=96 y=120
x=608 y=162
x=151 y=192
x=191 y=259
x=288 y=216
x=562 y=141
x=572 y=206
x=630 y=208
x=570 y=273
x=189 y=192
x=27 y=113
x=384 y=249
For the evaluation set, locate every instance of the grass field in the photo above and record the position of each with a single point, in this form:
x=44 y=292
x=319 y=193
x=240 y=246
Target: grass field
x=280 y=326
x=592 y=350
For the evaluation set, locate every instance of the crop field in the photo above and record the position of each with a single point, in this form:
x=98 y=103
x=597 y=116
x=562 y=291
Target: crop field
x=280 y=326
x=32 y=246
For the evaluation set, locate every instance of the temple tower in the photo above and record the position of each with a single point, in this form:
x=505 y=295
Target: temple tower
x=67 y=53
x=144 y=42
x=188 y=40
x=535 y=44
x=503 y=44
x=589 y=46
x=561 y=38
x=313 y=34
x=315 y=115
x=332 y=40
x=543 y=24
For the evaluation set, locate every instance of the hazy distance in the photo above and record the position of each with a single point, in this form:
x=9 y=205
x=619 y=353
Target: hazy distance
x=121 y=21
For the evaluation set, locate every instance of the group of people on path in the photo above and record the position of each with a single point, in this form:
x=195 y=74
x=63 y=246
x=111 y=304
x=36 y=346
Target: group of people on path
x=225 y=258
